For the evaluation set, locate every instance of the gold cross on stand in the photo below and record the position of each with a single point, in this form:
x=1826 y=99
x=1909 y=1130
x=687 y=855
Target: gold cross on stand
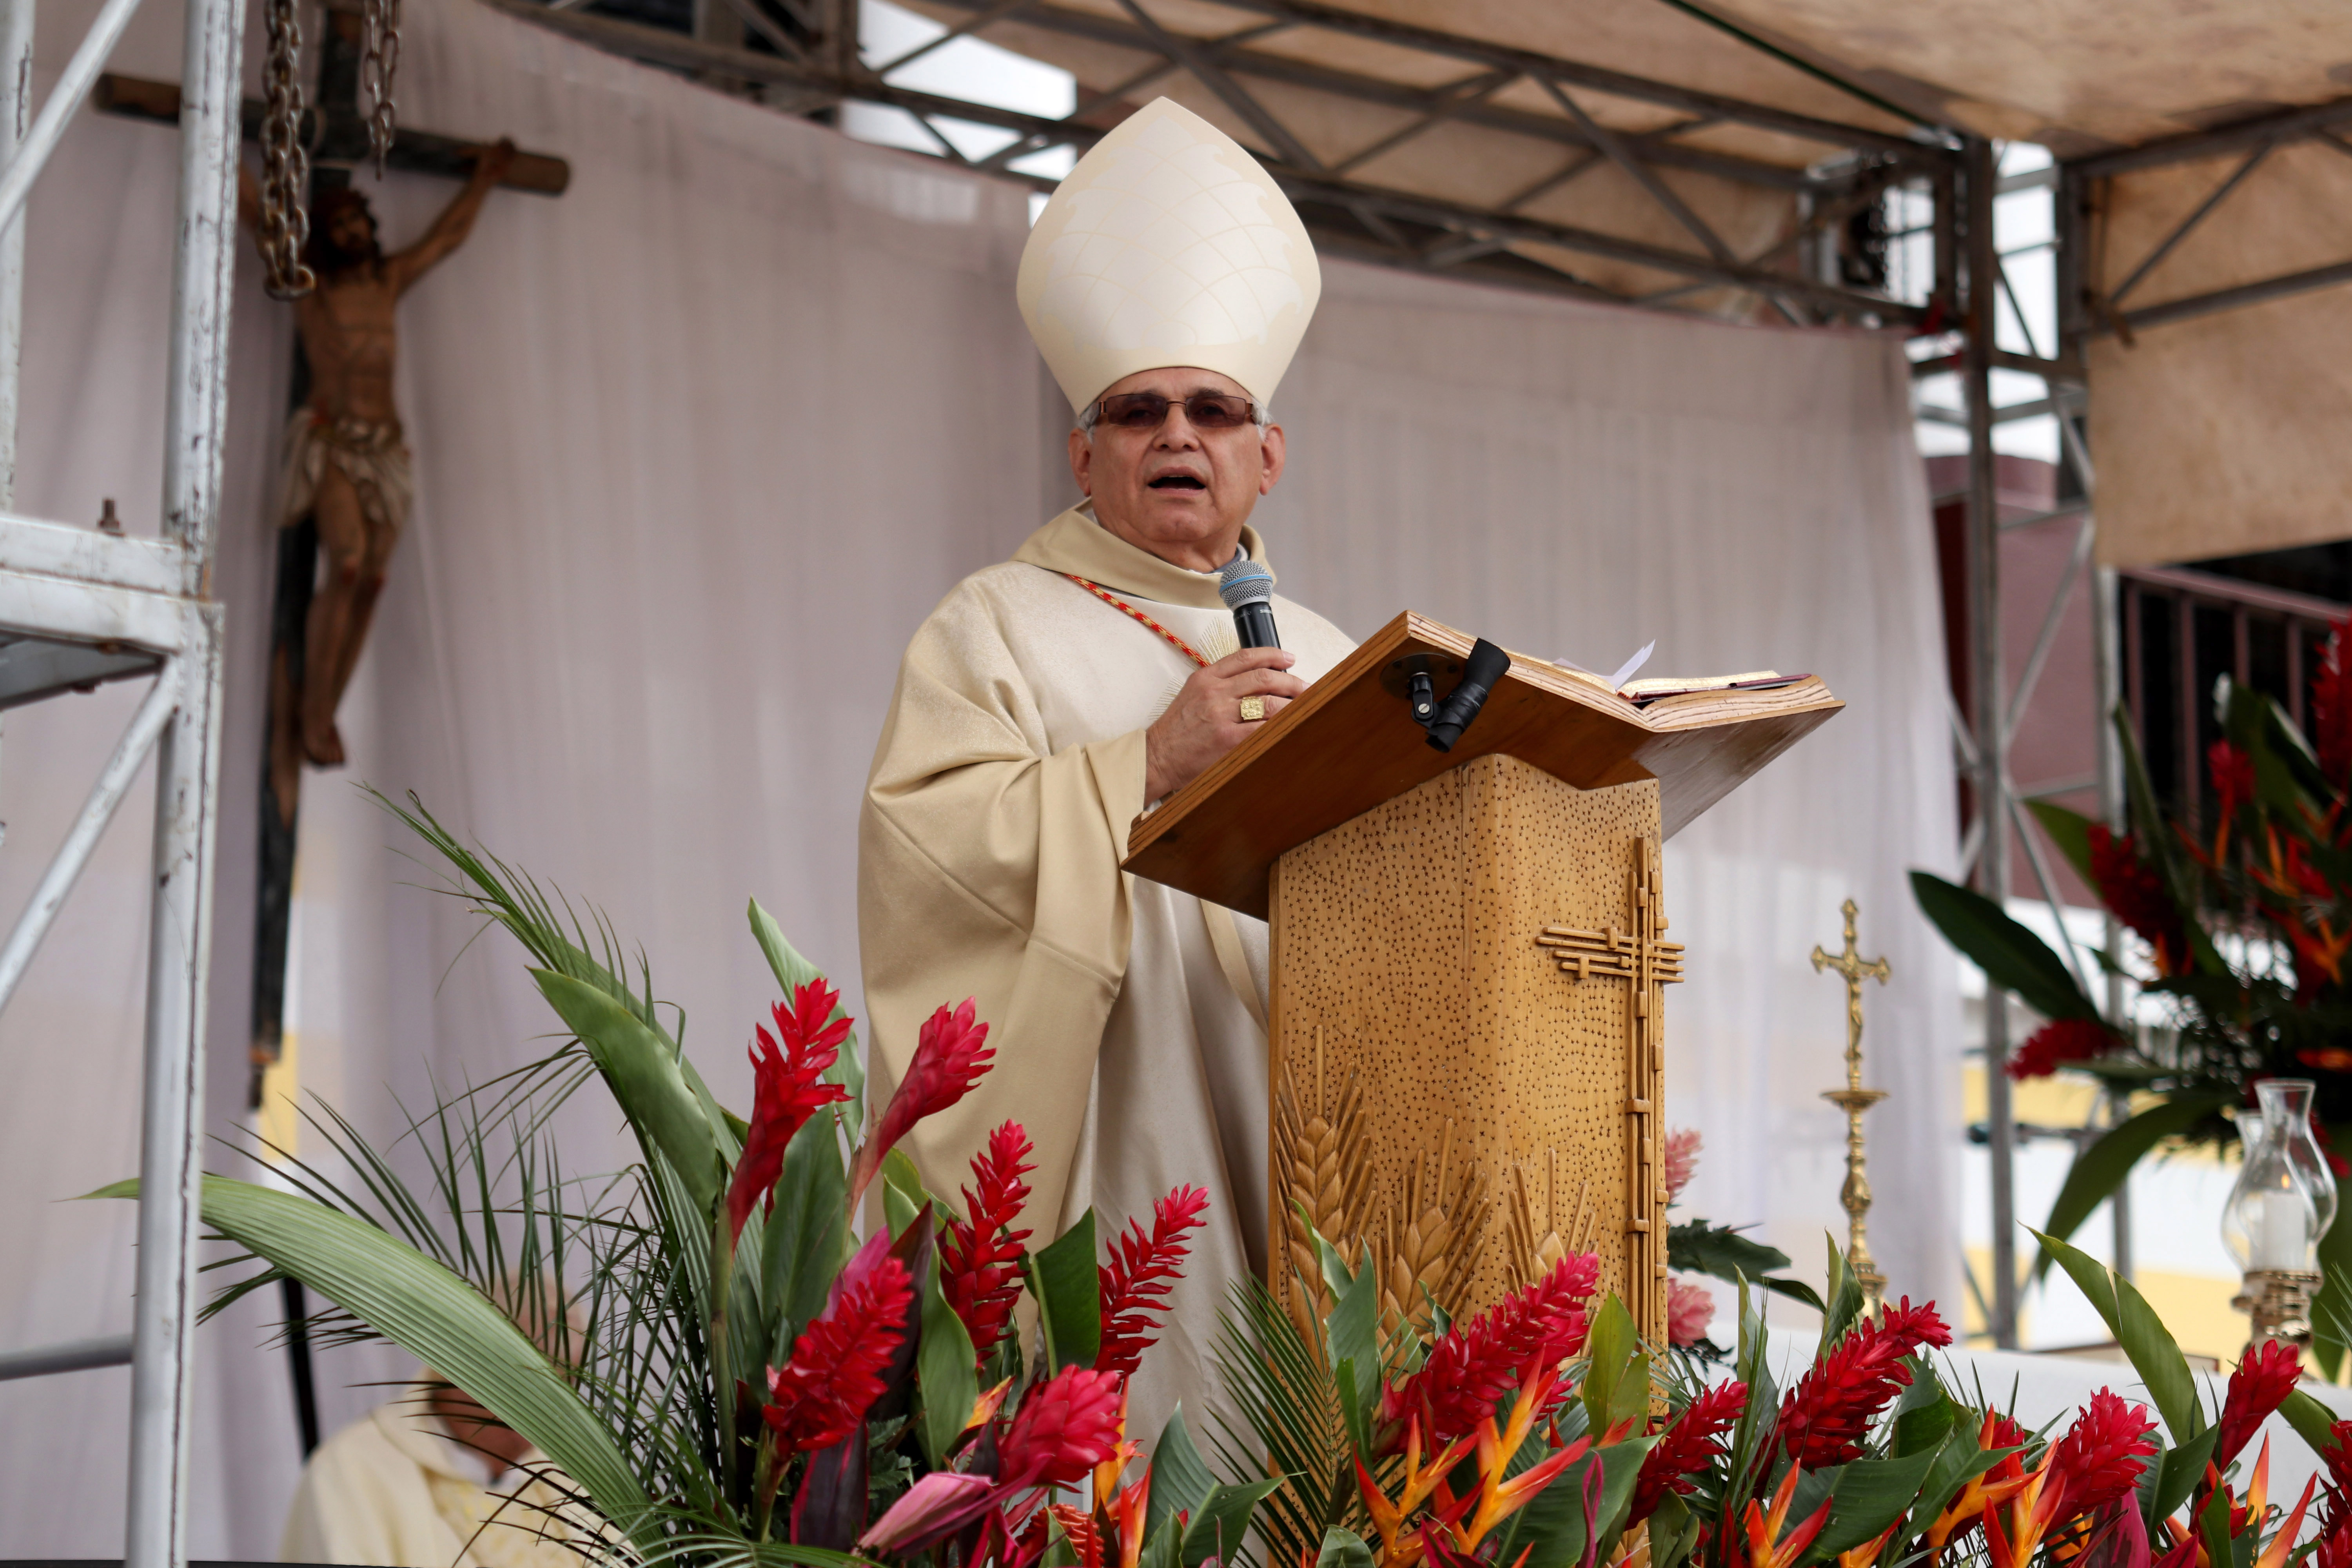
x=1853 y=1100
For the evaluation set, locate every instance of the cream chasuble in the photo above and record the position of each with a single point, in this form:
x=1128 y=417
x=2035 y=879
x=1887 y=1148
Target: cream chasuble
x=1128 y=1018
x=394 y=1488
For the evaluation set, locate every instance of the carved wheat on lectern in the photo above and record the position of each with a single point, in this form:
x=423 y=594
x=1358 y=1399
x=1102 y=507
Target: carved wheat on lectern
x=1323 y=1167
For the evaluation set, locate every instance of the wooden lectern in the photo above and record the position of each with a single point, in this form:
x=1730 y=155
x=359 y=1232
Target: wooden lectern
x=1469 y=959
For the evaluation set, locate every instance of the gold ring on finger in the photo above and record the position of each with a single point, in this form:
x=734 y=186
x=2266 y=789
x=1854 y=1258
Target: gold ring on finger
x=1253 y=709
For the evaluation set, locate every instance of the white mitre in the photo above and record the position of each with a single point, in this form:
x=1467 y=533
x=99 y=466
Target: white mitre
x=1168 y=245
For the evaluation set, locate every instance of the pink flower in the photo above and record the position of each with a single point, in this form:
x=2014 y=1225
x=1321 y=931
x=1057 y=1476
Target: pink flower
x=1689 y=1309
x=1682 y=1160
x=951 y=1055
x=933 y=1508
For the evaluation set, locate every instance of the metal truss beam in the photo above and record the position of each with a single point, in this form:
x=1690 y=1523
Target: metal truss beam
x=1652 y=147
x=1573 y=73
x=2220 y=300
x=1449 y=220
x=2292 y=125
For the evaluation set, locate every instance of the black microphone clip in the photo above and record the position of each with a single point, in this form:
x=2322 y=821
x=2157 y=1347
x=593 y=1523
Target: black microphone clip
x=1413 y=677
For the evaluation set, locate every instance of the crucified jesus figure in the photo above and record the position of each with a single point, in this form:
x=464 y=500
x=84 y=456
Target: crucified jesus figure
x=345 y=464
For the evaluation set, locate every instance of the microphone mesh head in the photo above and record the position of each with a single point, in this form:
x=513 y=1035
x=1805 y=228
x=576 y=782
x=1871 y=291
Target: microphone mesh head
x=1244 y=582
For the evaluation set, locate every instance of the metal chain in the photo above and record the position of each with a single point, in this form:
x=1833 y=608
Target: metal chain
x=285 y=161
x=379 y=58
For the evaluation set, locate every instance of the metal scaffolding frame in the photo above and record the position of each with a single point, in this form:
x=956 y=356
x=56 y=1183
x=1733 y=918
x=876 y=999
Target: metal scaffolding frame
x=815 y=65
x=78 y=607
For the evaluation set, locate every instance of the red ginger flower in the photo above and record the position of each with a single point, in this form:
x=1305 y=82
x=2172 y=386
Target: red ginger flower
x=2100 y=1459
x=2232 y=773
x=2335 y=1540
x=2258 y=1386
x=1823 y=1418
x=1065 y=1428
x=2331 y=708
x=785 y=1092
x=2131 y=888
x=951 y=1055
x=1694 y=1442
x=834 y=1375
x=1474 y=1364
x=2055 y=1043
x=1136 y=1281
x=979 y=1259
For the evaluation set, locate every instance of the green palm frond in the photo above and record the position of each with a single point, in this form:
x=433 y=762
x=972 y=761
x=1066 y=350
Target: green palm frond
x=1290 y=1405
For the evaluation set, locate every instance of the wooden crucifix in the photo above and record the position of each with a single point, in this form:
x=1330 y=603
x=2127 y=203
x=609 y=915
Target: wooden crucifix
x=341 y=327
x=341 y=331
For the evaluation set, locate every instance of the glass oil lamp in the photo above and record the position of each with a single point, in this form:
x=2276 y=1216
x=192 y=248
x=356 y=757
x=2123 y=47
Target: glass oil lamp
x=2283 y=1202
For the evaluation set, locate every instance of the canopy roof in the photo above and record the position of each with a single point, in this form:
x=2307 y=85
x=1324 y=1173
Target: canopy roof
x=1732 y=157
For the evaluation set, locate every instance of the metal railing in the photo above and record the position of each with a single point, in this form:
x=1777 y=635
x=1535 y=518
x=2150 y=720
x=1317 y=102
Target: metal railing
x=77 y=607
x=2183 y=629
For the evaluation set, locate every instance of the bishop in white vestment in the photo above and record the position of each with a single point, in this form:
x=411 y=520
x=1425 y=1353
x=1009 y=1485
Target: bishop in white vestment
x=1050 y=700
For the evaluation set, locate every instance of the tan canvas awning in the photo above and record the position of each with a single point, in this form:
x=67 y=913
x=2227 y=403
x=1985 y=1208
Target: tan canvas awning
x=1707 y=153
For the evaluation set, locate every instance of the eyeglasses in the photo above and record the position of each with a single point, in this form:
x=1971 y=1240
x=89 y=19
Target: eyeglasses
x=1149 y=411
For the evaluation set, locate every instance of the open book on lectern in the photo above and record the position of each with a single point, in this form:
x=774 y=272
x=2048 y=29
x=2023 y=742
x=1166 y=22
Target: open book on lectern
x=1352 y=743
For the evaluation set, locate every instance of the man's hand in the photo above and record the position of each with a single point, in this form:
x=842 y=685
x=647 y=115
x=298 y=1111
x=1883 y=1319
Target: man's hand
x=1205 y=720
x=491 y=163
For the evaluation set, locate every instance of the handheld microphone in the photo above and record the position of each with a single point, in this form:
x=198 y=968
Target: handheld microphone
x=1248 y=588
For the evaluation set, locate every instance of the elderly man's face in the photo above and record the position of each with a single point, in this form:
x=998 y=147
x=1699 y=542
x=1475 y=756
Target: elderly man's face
x=1177 y=491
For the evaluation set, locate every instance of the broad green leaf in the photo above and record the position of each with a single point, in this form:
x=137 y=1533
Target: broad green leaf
x=946 y=1370
x=2146 y=1343
x=1922 y=1427
x=642 y=1071
x=2312 y=1422
x=2070 y=832
x=898 y=1170
x=1181 y=1479
x=1844 y=1300
x=898 y=1209
x=2331 y=1311
x=1069 y=1295
x=2104 y=1167
x=1343 y=1549
x=1352 y=1343
x=1697 y=1248
x=1871 y=1494
x=436 y=1317
x=1222 y=1522
x=806 y=1235
x=1159 y=1551
x=2183 y=1468
x=1337 y=1276
x=1609 y=1345
x=1674 y=1529
x=2012 y=957
x=1958 y=1462
x=1551 y=1528
x=791 y=971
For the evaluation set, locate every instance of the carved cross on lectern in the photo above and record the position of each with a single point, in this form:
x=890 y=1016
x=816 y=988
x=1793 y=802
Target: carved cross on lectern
x=1649 y=962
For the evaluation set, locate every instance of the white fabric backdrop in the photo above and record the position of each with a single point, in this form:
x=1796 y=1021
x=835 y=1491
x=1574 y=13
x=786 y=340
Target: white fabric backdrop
x=697 y=445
